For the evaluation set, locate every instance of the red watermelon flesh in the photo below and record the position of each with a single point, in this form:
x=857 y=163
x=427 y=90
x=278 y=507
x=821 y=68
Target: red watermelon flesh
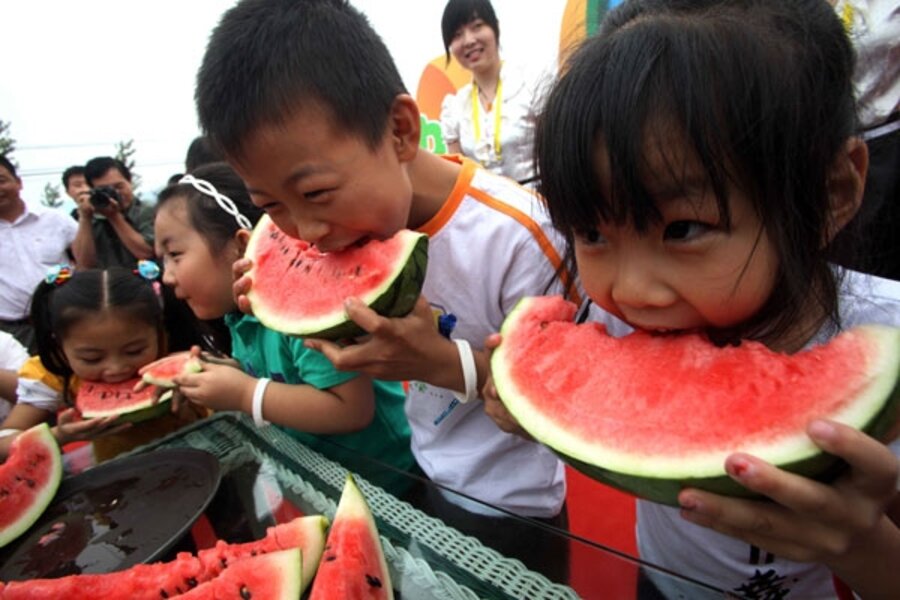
x=272 y=576
x=96 y=399
x=353 y=565
x=672 y=407
x=162 y=372
x=160 y=580
x=300 y=291
x=29 y=479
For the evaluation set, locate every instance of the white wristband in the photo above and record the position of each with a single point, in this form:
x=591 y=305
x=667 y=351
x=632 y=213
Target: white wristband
x=258 y=393
x=6 y=432
x=470 y=373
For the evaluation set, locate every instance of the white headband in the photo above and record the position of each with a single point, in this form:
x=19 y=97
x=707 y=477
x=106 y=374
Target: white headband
x=224 y=202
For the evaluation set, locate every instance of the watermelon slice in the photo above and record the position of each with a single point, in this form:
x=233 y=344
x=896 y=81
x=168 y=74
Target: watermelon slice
x=272 y=576
x=97 y=399
x=29 y=479
x=186 y=572
x=353 y=566
x=651 y=414
x=300 y=291
x=162 y=372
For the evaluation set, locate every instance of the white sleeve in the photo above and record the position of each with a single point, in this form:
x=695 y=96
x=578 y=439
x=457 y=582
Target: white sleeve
x=12 y=354
x=450 y=110
x=37 y=394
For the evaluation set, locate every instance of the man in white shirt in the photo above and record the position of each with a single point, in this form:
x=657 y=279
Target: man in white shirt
x=31 y=241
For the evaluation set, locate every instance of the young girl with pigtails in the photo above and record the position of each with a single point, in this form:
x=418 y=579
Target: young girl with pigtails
x=93 y=325
x=700 y=156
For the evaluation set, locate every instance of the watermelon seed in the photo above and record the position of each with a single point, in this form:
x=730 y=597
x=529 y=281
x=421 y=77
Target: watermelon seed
x=330 y=557
x=30 y=482
x=224 y=562
x=245 y=593
x=192 y=582
x=373 y=581
x=163 y=594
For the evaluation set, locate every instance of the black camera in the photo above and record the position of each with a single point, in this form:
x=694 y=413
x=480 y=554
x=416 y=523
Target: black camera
x=100 y=196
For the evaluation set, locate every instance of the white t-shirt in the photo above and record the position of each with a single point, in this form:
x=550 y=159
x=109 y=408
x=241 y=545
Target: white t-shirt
x=490 y=245
x=667 y=540
x=12 y=356
x=29 y=246
x=521 y=97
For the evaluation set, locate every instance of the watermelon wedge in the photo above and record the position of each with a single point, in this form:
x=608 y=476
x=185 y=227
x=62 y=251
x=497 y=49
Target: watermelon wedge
x=272 y=576
x=96 y=399
x=162 y=372
x=300 y=291
x=29 y=479
x=186 y=572
x=353 y=565
x=651 y=414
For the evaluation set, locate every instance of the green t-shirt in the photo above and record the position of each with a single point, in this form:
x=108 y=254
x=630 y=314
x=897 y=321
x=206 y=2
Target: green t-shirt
x=266 y=353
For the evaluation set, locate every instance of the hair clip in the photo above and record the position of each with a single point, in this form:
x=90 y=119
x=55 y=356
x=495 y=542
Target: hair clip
x=147 y=269
x=224 y=202
x=58 y=274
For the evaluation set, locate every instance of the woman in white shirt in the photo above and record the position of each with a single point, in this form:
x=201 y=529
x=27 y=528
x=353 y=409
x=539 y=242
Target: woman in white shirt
x=492 y=118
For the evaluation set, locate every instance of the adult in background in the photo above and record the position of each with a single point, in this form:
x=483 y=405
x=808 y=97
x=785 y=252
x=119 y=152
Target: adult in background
x=115 y=229
x=491 y=119
x=75 y=184
x=31 y=241
x=201 y=152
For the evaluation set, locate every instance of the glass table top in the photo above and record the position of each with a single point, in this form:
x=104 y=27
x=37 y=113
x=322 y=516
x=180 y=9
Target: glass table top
x=268 y=478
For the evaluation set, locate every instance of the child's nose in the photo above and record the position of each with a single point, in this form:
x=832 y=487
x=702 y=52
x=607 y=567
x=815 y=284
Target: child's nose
x=639 y=286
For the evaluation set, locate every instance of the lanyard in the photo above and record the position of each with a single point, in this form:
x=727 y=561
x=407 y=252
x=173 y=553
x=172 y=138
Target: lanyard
x=498 y=102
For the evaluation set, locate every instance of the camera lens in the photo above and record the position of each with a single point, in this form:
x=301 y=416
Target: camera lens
x=101 y=196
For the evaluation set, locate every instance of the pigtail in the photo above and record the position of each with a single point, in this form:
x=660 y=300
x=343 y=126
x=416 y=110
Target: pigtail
x=48 y=345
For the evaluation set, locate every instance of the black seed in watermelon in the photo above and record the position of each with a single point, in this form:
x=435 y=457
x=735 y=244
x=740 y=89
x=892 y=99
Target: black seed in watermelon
x=300 y=291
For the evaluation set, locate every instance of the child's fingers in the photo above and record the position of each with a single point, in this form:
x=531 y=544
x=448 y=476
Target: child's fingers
x=364 y=316
x=238 y=269
x=493 y=341
x=140 y=384
x=873 y=467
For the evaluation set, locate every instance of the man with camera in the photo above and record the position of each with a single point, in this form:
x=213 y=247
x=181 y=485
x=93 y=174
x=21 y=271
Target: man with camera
x=114 y=227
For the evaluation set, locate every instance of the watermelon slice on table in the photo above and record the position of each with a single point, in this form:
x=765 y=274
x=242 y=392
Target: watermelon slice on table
x=652 y=414
x=162 y=372
x=96 y=399
x=353 y=565
x=186 y=572
x=300 y=291
x=29 y=479
x=272 y=576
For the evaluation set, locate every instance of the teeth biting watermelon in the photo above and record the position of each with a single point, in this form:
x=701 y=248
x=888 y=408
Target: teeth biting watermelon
x=96 y=399
x=29 y=479
x=653 y=414
x=162 y=372
x=300 y=291
x=353 y=564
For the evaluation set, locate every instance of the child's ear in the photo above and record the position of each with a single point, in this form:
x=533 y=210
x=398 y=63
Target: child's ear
x=846 y=184
x=241 y=239
x=405 y=127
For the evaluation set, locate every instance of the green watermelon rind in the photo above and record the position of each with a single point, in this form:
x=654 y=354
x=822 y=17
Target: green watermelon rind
x=396 y=297
x=137 y=412
x=876 y=410
x=42 y=435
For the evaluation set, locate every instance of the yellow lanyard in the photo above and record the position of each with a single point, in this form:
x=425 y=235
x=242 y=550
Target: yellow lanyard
x=498 y=102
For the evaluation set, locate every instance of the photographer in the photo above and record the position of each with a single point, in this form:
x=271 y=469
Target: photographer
x=114 y=227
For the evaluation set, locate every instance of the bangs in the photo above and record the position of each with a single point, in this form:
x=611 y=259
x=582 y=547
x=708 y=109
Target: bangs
x=660 y=86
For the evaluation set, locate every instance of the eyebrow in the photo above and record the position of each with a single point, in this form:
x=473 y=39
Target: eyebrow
x=297 y=175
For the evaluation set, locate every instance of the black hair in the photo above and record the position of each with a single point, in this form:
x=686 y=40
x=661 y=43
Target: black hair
x=462 y=12
x=215 y=225
x=70 y=173
x=267 y=59
x=8 y=165
x=761 y=92
x=99 y=166
x=56 y=307
x=201 y=152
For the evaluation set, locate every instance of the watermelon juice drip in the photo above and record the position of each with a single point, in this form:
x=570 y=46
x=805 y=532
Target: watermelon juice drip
x=666 y=377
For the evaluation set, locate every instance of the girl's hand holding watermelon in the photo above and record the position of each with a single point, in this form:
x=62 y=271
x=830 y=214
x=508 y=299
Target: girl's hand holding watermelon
x=809 y=521
x=70 y=428
x=217 y=387
x=493 y=405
